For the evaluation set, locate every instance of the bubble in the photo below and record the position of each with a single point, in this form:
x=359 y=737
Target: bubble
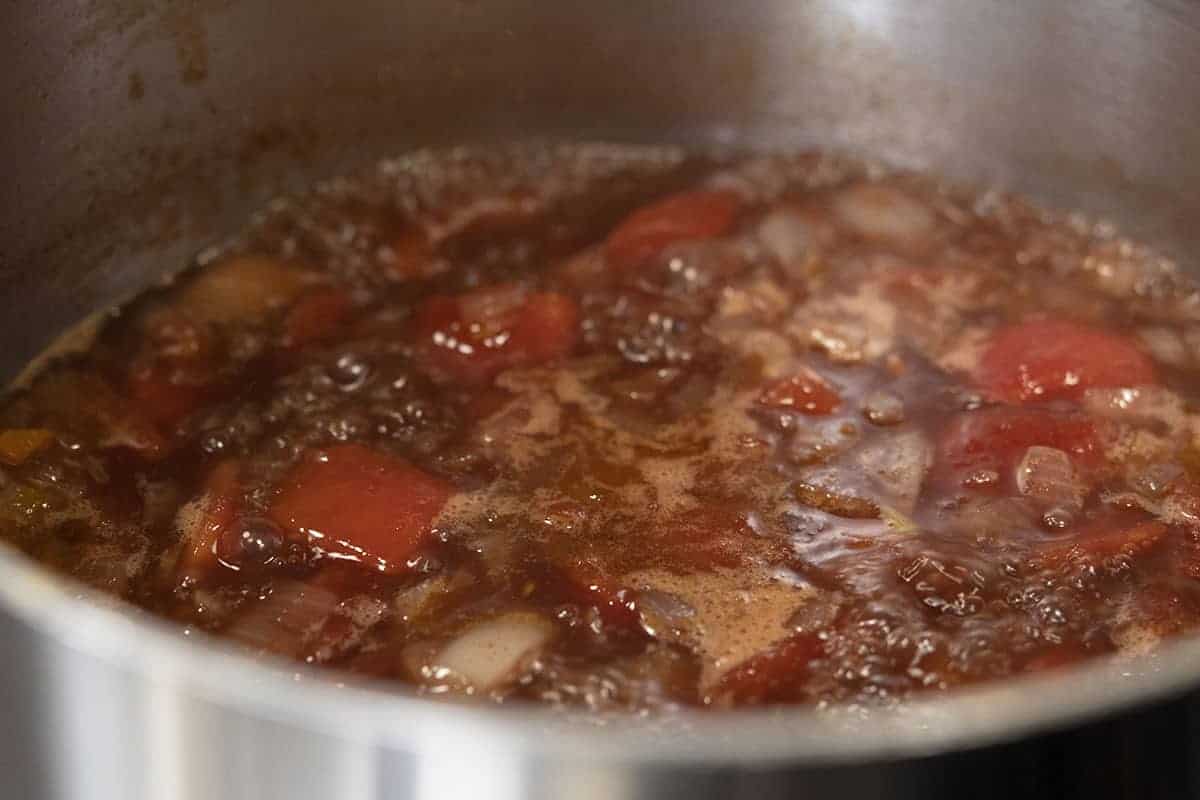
x=1058 y=519
x=254 y=541
x=350 y=371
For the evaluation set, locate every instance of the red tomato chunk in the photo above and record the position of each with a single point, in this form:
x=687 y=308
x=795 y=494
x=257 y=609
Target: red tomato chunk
x=805 y=392
x=1045 y=360
x=679 y=218
x=362 y=506
x=995 y=438
x=474 y=336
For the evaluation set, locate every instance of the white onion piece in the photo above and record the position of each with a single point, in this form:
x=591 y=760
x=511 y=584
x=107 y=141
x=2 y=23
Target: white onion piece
x=416 y=603
x=284 y=621
x=492 y=652
x=1166 y=345
x=760 y=297
x=881 y=212
x=848 y=327
x=898 y=464
x=1137 y=405
x=1046 y=475
x=239 y=289
x=755 y=180
x=786 y=236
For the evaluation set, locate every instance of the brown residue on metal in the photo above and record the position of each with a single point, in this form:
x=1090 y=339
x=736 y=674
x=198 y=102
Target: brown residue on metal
x=185 y=25
x=137 y=86
x=139 y=21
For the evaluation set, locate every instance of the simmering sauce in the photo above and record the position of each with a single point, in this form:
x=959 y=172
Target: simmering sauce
x=630 y=429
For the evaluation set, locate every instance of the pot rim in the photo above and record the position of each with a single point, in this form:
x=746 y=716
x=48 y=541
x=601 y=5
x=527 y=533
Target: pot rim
x=203 y=666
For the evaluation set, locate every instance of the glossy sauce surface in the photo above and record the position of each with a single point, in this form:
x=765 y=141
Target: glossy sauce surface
x=631 y=429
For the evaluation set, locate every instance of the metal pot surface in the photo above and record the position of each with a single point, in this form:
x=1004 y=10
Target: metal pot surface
x=137 y=131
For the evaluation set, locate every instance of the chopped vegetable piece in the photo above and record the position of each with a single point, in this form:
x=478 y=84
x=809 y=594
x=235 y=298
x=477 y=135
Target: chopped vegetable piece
x=681 y=217
x=288 y=620
x=885 y=213
x=994 y=438
x=773 y=675
x=806 y=392
x=202 y=522
x=896 y=462
x=316 y=316
x=359 y=505
x=240 y=289
x=1126 y=542
x=1045 y=360
x=492 y=652
x=162 y=398
x=474 y=336
x=18 y=444
x=590 y=585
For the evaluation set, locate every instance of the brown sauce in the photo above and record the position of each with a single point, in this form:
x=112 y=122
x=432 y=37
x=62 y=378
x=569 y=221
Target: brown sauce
x=628 y=429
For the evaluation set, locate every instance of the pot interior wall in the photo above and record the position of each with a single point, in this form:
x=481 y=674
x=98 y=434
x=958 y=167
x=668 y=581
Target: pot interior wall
x=139 y=130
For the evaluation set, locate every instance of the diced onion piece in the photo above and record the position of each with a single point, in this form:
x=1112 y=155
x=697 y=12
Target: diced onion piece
x=1137 y=405
x=1123 y=543
x=881 y=212
x=898 y=464
x=18 y=444
x=1038 y=360
x=492 y=652
x=1166 y=345
x=805 y=391
x=417 y=604
x=202 y=522
x=786 y=235
x=1046 y=475
x=240 y=289
x=287 y=619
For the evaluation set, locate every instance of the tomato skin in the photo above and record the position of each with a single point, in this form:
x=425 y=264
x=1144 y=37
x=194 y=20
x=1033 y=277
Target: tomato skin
x=1043 y=360
x=995 y=438
x=472 y=337
x=806 y=392
x=316 y=317
x=361 y=506
x=686 y=216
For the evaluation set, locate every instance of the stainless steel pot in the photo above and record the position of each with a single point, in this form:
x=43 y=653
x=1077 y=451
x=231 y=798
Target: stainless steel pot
x=136 y=131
